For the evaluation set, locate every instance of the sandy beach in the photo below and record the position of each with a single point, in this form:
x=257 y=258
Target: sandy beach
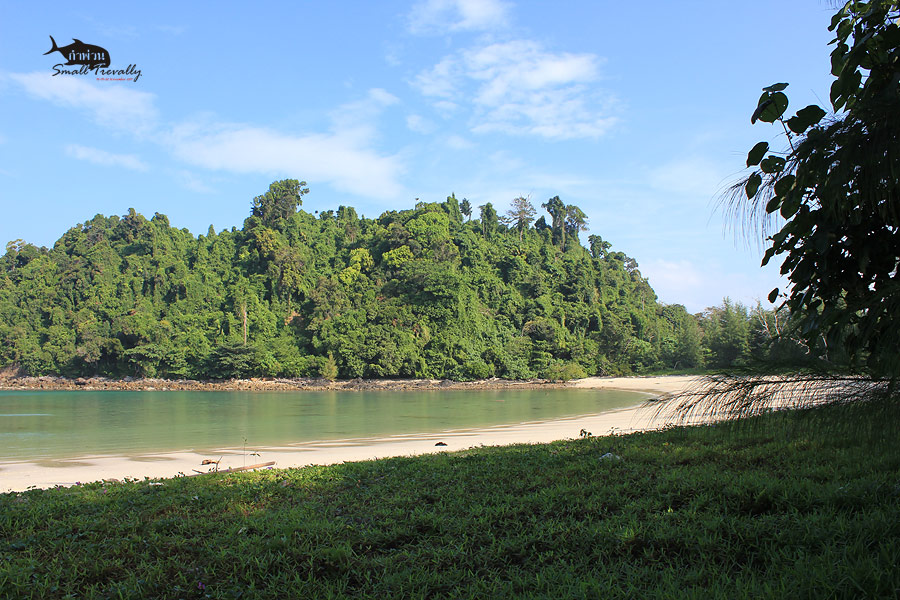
x=20 y=476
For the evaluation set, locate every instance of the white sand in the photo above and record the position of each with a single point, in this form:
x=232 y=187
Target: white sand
x=23 y=475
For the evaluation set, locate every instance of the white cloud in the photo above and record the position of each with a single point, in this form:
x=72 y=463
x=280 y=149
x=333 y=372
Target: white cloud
x=519 y=88
x=357 y=119
x=446 y=107
x=382 y=97
x=106 y=159
x=343 y=157
x=458 y=143
x=440 y=16
x=442 y=79
x=419 y=124
x=115 y=106
x=336 y=158
x=523 y=65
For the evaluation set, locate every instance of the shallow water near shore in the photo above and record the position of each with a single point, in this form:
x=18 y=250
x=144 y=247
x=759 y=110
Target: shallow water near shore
x=49 y=426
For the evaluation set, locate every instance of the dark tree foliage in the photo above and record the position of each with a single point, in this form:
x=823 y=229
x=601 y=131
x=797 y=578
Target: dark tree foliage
x=576 y=221
x=598 y=247
x=837 y=187
x=557 y=211
x=414 y=293
x=465 y=207
x=280 y=202
x=838 y=192
x=490 y=221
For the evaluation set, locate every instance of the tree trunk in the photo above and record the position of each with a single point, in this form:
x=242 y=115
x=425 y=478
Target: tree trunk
x=244 y=320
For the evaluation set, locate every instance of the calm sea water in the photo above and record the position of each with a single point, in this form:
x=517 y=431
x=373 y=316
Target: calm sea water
x=41 y=425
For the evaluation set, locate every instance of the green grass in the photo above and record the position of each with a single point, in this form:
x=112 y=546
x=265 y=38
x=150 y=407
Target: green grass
x=777 y=510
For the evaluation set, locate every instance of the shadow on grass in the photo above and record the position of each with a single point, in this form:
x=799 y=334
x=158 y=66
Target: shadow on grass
x=746 y=509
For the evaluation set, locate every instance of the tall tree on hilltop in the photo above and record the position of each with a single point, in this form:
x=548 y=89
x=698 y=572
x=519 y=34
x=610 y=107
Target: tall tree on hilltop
x=557 y=211
x=599 y=247
x=454 y=210
x=521 y=215
x=409 y=294
x=489 y=219
x=465 y=207
x=347 y=217
x=280 y=202
x=576 y=221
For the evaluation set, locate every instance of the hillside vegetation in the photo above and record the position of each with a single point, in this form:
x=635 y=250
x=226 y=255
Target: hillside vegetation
x=429 y=292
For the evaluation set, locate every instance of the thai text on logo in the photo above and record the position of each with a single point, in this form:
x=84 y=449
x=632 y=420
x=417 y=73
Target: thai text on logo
x=91 y=59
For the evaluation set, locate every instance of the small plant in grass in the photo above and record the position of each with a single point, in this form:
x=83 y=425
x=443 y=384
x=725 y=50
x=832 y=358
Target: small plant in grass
x=245 y=454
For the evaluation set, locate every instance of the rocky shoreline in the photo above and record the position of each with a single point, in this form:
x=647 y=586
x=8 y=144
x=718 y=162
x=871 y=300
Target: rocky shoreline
x=265 y=384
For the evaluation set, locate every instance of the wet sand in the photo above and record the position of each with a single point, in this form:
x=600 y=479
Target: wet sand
x=19 y=476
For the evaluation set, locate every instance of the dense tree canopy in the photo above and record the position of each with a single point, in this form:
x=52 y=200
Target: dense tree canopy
x=280 y=202
x=415 y=293
x=837 y=187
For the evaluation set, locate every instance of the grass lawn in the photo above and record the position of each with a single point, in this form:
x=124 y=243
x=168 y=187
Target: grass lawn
x=782 y=509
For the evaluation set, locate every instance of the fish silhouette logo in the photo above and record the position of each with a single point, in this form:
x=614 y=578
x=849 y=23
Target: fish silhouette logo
x=88 y=60
x=79 y=53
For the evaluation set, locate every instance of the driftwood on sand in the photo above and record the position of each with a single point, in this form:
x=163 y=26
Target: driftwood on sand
x=236 y=469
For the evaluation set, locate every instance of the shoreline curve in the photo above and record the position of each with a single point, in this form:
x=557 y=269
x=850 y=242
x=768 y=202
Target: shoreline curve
x=20 y=476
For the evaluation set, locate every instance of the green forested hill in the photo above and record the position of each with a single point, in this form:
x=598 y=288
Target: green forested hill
x=425 y=292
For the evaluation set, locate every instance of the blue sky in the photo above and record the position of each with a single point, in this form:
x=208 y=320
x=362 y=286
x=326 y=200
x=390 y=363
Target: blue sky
x=636 y=112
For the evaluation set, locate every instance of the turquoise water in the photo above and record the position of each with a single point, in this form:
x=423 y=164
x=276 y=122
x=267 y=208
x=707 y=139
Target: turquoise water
x=63 y=424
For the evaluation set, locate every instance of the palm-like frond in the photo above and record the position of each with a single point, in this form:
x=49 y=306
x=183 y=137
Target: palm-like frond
x=830 y=400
